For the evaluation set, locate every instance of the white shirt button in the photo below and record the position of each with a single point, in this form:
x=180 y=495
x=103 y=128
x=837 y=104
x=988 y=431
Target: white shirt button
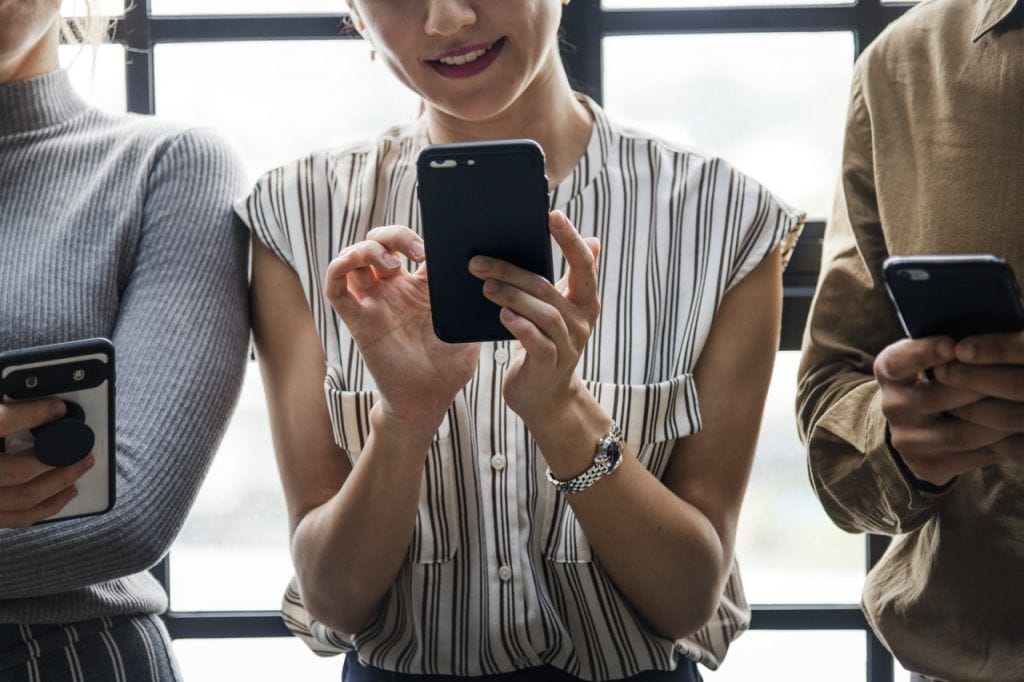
x=498 y=462
x=501 y=356
x=505 y=573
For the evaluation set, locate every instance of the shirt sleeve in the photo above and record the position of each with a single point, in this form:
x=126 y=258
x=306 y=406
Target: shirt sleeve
x=181 y=337
x=265 y=211
x=853 y=469
x=756 y=222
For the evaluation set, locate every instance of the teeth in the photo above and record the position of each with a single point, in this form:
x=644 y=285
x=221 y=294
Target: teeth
x=463 y=58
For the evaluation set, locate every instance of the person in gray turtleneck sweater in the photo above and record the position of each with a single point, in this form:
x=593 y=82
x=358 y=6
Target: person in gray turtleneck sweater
x=121 y=227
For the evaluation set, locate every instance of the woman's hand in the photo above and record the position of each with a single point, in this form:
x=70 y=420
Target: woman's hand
x=551 y=322
x=31 y=491
x=387 y=310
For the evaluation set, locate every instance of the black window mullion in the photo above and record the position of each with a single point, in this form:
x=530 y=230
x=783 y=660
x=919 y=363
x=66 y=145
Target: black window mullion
x=138 y=57
x=874 y=17
x=256 y=27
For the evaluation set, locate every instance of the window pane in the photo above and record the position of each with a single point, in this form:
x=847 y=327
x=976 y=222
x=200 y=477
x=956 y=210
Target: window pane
x=899 y=673
x=277 y=101
x=254 y=660
x=97 y=74
x=233 y=552
x=773 y=105
x=794 y=656
x=789 y=551
x=248 y=6
x=673 y=4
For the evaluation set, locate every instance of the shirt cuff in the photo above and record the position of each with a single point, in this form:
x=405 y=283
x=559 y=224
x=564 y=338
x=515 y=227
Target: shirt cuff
x=907 y=497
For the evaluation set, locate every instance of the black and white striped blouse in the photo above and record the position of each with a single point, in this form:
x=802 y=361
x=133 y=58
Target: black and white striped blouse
x=499 y=575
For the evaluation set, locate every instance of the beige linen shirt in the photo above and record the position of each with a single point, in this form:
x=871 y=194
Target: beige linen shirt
x=933 y=163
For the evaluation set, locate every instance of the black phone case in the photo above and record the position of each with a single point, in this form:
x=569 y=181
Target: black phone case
x=480 y=198
x=99 y=384
x=956 y=296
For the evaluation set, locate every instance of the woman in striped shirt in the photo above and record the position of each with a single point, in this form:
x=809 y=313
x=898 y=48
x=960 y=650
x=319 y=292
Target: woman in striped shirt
x=426 y=535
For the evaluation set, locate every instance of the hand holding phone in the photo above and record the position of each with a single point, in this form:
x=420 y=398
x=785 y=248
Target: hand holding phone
x=945 y=411
x=56 y=425
x=551 y=322
x=386 y=309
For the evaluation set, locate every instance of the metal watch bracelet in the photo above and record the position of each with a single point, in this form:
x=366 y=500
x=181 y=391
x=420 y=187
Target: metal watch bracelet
x=607 y=459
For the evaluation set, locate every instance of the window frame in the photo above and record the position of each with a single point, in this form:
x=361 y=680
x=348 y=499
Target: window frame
x=585 y=25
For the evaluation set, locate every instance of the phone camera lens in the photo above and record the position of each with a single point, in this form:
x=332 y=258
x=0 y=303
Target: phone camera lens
x=78 y=375
x=31 y=382
x=915 y=275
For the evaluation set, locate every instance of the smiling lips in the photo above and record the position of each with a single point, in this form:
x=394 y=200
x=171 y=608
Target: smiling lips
x=467 y=62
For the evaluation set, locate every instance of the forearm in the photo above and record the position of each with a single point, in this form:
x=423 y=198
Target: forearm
x=349 y=550
x=181 y=336
x=850 y=322
x=662 y=553
x=853 y=468
x=164 y=447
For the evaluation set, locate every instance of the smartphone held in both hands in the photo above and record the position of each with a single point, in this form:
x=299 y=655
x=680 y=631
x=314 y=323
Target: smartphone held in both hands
x=81 y=373
x=480 y=198
x=956 y=296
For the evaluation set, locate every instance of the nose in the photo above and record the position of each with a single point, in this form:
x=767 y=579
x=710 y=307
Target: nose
x=448 y=17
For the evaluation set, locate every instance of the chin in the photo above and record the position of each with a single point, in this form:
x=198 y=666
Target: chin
x=478 y=107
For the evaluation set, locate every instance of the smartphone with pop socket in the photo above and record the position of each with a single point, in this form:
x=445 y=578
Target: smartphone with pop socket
x=480 y=198
x=81 y=373
x=956 y=296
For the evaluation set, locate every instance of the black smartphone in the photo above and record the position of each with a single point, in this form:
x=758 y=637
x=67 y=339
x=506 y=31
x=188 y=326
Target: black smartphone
x=956 y=296
x=81 y=373
x=480 y=198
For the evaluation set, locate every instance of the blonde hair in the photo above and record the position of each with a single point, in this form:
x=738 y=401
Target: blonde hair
x=84 y=27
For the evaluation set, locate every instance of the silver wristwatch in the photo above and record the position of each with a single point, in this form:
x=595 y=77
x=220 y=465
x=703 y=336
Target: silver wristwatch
x=606 y=460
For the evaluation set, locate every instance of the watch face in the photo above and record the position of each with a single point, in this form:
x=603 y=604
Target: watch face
x=614 y=450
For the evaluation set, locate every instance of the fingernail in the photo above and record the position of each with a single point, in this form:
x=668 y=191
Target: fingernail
x=480 y=263
x=88 y=462
x=946 y=349
x=492 y=287
x=561 y=220
x=508 y=315
x=966 y=350
x=417 y=250
x=74 y=493
x=391 y=261
x=940 y=372
x=59 y=409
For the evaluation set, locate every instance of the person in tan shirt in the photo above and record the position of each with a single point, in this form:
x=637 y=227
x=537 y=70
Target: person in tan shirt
x=933 y=163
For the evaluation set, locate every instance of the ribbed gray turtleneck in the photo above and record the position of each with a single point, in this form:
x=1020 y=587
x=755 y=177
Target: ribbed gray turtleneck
x=120 y=226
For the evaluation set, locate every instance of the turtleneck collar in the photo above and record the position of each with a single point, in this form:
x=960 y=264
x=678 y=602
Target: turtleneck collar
x=38 y=103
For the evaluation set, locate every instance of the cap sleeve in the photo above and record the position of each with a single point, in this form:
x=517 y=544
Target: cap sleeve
x=756 y=223
x=265 y=212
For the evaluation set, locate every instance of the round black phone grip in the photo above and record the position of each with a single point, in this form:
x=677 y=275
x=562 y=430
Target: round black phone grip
x=65 y=441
